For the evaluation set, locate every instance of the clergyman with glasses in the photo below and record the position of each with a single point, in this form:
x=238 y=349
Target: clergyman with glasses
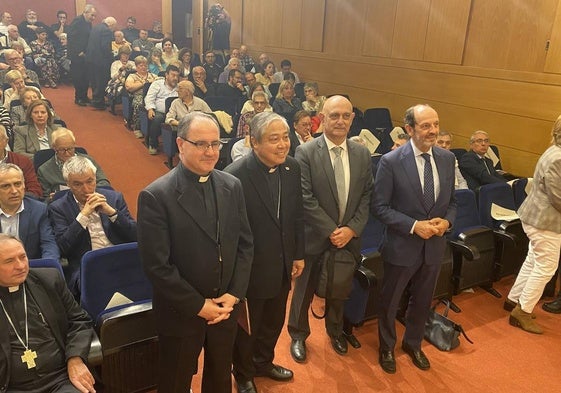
x=196 y=247
x=476 y=168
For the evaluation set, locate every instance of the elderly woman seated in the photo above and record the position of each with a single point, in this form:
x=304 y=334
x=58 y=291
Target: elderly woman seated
x=185 y=103
x=187 y=63
x=36 y=134
x=259 y=103
x=50 y=173
x=15 y=80
x=18 y=113
x=314 y=102
x=119 y=70
x=43 y=52
x=155 y=62
x=286 y=103
x=135 y=85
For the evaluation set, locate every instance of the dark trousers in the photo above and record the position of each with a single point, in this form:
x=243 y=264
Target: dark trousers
x=100 y=75
x=256 y=352
x=179 y=357
x=303 y=293
x=155 y=129
x=80 y=78
x=423 y=281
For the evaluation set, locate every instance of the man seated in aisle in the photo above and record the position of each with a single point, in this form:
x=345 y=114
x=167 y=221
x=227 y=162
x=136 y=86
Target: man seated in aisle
x=15 y=62
x=246 y=59
x=286 y=68
x=477 y=169
x=130 y=31
x=87 y=218
x=32 y=186
x=38 y=303
x=142 y=44
x=401 y=140
x=260 y=102
x=233 y=64
x=444 y=140
x=212 y=69
x=118 y=42
x=203 y=88
x=49 y=174
x=185 y=103
x=25 y=217
x=234 y=87
x=155 y=104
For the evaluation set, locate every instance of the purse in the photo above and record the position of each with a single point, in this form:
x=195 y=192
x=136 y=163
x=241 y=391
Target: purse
x=441 y=331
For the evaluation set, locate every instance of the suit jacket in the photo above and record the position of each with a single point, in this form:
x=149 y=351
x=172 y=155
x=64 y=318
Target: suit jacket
x=294 y=143
x=180 y=256
x=99 y=46
x=398 y=202
x=31 y=183
x=277 y=242
x=476 y=172
x=35 y=231
x=319 y=190
x=71 y=326
x=73 y=240
x=78 y=36
x=26 y=141
x=542 y=206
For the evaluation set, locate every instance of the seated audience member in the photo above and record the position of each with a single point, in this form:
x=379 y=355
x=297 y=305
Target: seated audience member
x=60 y=331
x=87 y=218
x=185 y=103
x=248 y=105
x=119 y=42
x=202 y=87
x=32 y=186
x=15 y=61
x=61 y=26
x=234 y=87
x=119 y=70
x=245 y=58
x=28 y=62
x=43 y=52
x=260 y=65
x=50 y=172
x=185 y=56
x=25 y=217
x=155 y=104
x=265 y=76
x=28 y=28
x=302 y=131
x=15 y=80
x=155 y=35
x=314 y=102
x=241 y=148
x=5 y=21
x=286 y=68
x=135 y=86
x=61 y=56
x=477 y=169
x=13 y=36
x=36 y=134
x=233 y=64
x=259 y=103
x=212 y=69
x=130 y=31
x=444 y=140
x=169 y=54
x=286 y=103
x=142 y=44
x=251 y=85
x=401 y=140
x=7 y=122
x=27 y=96
x=235 y=53
x=155 y=62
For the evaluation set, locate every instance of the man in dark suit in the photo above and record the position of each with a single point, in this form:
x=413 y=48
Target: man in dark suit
x=477 y=169
x=59 y=331
x=302 y=132
x=25 y=217
x=273 y=195
x=99 y=57
x=234 y=88
x=414 y=198
x=87 y=218
x=335 y=213
x=196 y=247
x=78 y=36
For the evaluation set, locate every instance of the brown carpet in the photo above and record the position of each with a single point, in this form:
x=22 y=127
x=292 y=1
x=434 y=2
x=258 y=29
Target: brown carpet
x=503 y=358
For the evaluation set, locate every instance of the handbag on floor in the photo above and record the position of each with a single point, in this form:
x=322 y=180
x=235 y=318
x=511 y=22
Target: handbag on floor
x=441 y=331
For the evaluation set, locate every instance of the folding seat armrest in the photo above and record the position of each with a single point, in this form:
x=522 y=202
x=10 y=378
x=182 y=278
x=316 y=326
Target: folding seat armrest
x=166 y=126
x=468 y=251
x=505 y=225
x=95 y=355
x=505 y=237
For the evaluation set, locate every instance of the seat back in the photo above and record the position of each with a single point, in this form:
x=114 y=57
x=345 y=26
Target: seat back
x=230 y=105
x=378 y=118
x=42 y=156
x=46 y=263
x=274 y=89
x=458 y=153
x=499 y=194
x=107 y=271
x=467 y=214
x=520 y=188
x=299 y=91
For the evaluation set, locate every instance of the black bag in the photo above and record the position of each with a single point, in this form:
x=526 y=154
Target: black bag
x=442 y=332
x=337 y=268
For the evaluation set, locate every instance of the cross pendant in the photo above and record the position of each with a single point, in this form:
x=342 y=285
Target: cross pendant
x=29 y=357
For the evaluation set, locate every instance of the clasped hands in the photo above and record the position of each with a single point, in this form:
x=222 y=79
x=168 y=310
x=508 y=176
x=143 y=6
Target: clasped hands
x=218 y=309
x=428 y=228
x=341 y=236
x=97 y=202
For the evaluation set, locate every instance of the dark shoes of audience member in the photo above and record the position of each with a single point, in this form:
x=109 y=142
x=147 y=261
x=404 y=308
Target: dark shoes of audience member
x=298 y=350
x=554 y=306
x=276 y=373
x=339 y=344
x=246 y=387
x=418 y=357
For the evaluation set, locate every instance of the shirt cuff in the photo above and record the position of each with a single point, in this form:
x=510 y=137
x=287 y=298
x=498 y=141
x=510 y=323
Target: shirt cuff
x=114 y=217
x=412 y=231
x=83 y=220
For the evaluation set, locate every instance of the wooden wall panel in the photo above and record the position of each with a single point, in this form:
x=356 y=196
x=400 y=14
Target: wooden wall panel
x=291 y=24
x=311 y=24
x=379 y=28
x=553 y=57
x=446 y=32
x=409 y=38
x=344 y=23
x=262 y=22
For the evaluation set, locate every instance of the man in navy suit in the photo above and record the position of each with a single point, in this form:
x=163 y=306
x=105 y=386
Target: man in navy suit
x=87 y=218
x=25 y=217
x=414 y=198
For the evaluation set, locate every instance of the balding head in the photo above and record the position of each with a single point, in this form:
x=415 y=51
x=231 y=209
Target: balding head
x=110 y=22
x=337 y=116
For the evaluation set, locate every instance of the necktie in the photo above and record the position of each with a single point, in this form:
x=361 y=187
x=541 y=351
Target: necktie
x=340 y=181
x=486 y=165
x=428 y=190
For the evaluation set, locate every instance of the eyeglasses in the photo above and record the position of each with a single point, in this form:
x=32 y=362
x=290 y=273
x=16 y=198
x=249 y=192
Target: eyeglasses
x=480 y=141
x=428 y=126
x=204 y=146
x=65 y=150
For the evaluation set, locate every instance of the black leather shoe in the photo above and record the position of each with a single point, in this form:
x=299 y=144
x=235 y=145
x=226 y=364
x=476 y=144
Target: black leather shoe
x=80 y=102
x=509 y=305
x=387 y=361
x=339 y=344
x=554 y=306
x=418 y=357
x=298 y=350
x=351 y=338
x=246 y=387
x=276 y=373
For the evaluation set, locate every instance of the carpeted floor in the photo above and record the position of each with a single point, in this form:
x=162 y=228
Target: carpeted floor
x=503 y=358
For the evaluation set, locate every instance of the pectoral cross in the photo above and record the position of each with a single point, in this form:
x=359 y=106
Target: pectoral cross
x=29 y=357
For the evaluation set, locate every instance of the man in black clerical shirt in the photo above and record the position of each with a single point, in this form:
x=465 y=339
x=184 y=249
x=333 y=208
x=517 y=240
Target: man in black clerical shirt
x=44 y=335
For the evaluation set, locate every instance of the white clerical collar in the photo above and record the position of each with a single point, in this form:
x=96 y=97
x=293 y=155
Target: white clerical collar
x=13 y=289
x=204 y=179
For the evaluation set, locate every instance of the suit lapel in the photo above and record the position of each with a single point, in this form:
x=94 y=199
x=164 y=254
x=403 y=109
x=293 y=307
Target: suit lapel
x=42 y=298
x=355 y=170
x=259 y=183
x=325 y=162
x=223 y=199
